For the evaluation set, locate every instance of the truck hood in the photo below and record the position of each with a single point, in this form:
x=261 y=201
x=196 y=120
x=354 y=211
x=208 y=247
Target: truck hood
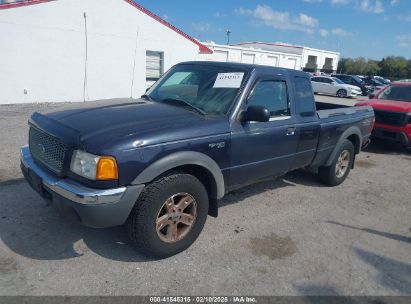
x=136 y=124
x=389 y=105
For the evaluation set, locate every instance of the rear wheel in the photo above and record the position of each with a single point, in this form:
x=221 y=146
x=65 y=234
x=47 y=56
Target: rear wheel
x=169 y=215
x=340 y=167
x=342 y=93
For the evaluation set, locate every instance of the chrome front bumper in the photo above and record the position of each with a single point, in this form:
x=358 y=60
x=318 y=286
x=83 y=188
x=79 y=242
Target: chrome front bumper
x=355 y=93
x=92 y=207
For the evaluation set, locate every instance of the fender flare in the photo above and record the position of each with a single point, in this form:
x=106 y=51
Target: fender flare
x=347 y=133
x=182 y=159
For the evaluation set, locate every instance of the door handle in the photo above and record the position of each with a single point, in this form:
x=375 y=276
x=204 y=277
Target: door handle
x=291 y=131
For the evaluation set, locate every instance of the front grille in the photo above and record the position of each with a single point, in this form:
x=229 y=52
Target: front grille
x=46 y=149
x=391 y=118
x=390 y=135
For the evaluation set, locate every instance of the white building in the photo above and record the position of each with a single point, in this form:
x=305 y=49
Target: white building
x=75 y=50
x=275 y=54
x=230 y=53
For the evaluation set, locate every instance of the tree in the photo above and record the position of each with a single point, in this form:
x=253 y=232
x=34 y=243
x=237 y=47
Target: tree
x=393 y=67
x=373 y=68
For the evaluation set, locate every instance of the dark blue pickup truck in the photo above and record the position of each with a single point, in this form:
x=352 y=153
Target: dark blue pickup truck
x=160 y=164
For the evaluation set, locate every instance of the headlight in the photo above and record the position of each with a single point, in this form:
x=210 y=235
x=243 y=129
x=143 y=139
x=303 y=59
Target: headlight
x=94 y=167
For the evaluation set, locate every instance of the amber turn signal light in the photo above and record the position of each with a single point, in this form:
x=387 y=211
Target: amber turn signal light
x=107 y=168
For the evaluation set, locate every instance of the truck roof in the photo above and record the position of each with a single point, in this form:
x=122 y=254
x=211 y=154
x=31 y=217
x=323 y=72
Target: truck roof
x=249 y=67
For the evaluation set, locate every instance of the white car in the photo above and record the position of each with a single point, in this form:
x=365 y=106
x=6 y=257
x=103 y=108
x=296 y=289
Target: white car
x=334 y=86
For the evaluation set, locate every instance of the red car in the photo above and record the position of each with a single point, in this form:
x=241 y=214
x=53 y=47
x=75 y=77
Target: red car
x=392 y=107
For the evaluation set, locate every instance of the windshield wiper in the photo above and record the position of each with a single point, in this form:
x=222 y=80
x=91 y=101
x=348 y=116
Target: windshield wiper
x=147 y=97
x=183 y=102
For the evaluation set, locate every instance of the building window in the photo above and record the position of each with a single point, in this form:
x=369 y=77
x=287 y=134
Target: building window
x=328 y=66
x=311 y=65
x=154 y=66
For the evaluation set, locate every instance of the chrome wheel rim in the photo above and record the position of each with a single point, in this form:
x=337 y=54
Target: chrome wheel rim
x=176 y=217
x=342 y=164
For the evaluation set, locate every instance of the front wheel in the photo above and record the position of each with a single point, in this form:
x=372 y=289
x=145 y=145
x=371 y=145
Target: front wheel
x=342 y=93
x=340 y=167
x=169 y=215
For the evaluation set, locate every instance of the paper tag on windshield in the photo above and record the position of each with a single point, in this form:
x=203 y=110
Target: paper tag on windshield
x=228 y=80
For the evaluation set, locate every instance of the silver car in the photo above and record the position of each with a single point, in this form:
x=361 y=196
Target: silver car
x=334 y=86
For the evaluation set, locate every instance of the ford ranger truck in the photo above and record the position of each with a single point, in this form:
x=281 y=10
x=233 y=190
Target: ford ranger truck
x=159 y=165
x=392 y=107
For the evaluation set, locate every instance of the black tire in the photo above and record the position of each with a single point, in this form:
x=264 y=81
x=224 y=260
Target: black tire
x=342 y=93
x=328 y=175
x=141 y=224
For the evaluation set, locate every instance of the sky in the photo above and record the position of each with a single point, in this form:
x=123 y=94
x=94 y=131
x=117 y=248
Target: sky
x=357 y=28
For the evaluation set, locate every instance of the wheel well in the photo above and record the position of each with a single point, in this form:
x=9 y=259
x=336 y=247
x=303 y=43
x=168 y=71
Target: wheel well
x=355 y=140
x=207 y=179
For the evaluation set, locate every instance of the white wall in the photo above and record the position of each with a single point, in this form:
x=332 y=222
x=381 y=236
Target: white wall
x=250 y=55
x=321 y=56
x=300 y=51
x=43 y=50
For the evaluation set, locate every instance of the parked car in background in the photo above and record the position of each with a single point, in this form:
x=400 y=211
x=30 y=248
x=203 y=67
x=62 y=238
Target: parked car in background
x=373 y=84
x=353 y=80
x=392 y=107
x=382 y=79
x=379 y=78
x=334 y=86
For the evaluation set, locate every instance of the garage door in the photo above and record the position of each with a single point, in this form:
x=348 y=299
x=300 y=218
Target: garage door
x=154 y=67
x=291 y=63
x=248 y=58
x=272 y=61
x=221 y=56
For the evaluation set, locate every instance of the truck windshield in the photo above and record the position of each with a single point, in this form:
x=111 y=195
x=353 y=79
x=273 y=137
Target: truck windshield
x=400 y=93
x=206 y=89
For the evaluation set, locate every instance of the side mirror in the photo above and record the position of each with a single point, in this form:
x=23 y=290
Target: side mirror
x=257 y=113
x=371 y=96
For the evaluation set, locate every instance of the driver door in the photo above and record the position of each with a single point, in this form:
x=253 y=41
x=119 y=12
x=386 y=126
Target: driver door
x=264 y=149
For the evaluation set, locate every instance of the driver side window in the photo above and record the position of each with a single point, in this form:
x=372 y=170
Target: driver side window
x=271 y=94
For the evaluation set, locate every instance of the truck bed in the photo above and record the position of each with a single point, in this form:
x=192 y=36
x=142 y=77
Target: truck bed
x=334 y=121
x=327 y=110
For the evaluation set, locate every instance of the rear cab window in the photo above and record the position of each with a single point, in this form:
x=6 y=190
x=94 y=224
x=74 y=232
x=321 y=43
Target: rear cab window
x=304 y=97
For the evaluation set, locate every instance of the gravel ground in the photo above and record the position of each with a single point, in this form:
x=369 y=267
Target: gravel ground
x=292 y=236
